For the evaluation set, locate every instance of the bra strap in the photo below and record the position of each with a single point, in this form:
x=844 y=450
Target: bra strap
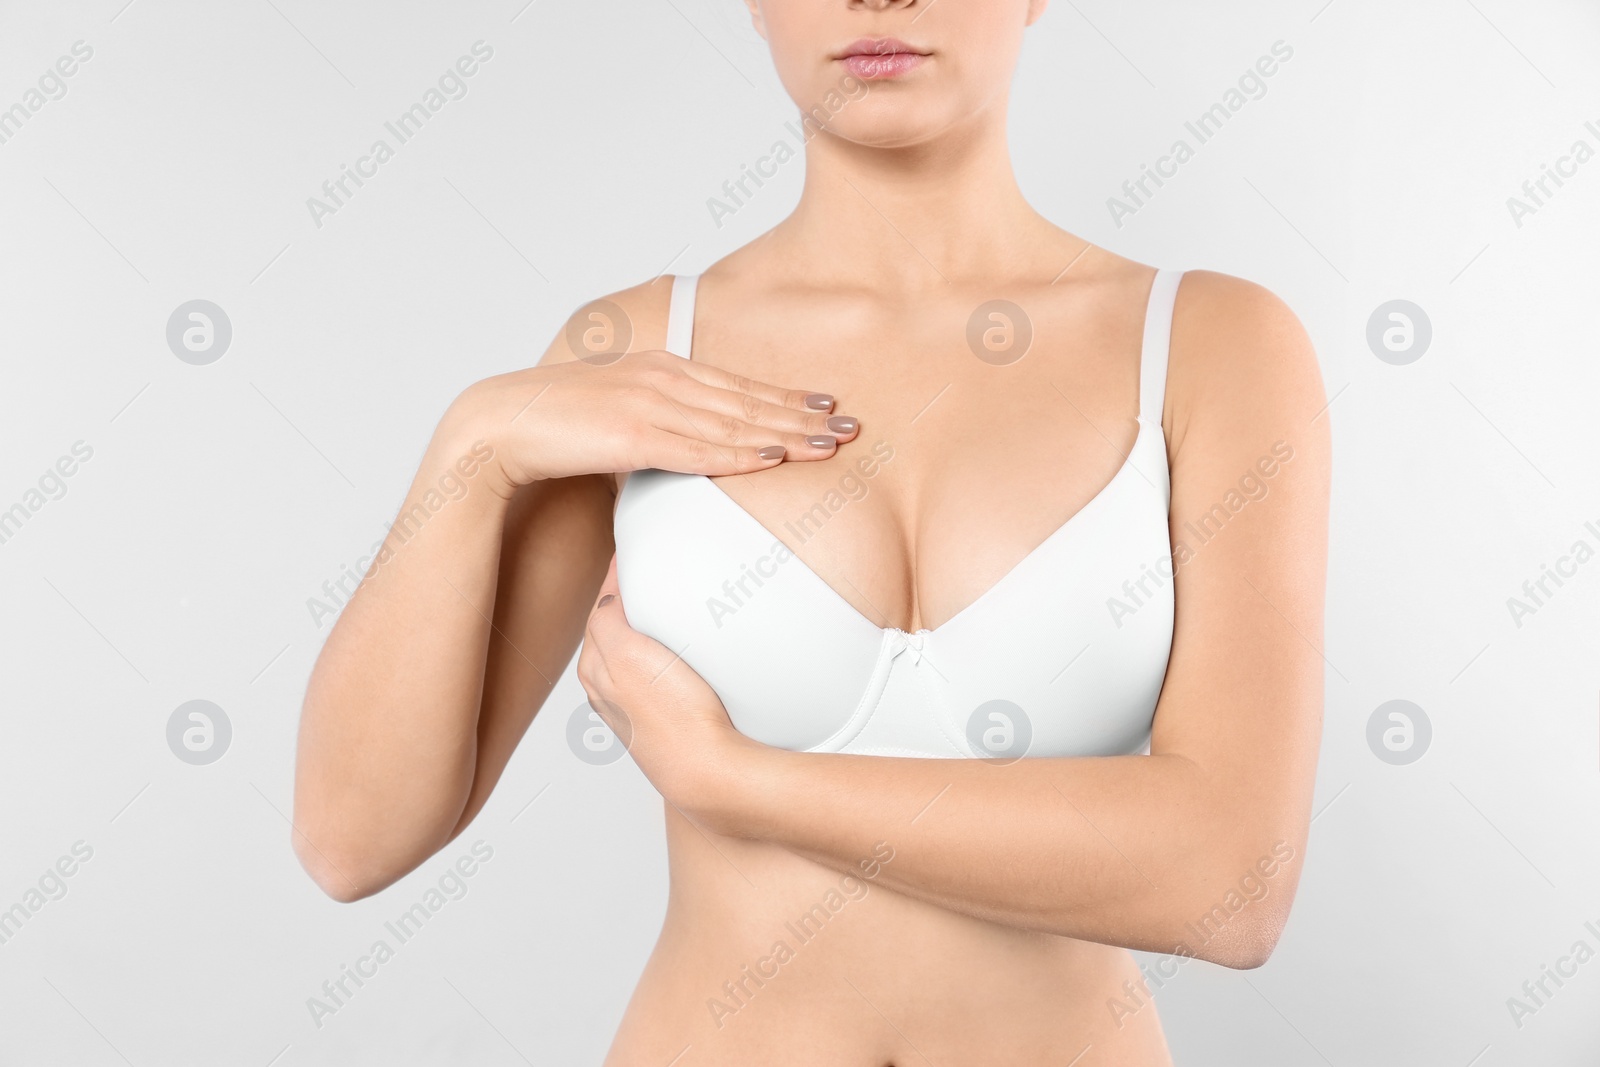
x=1157 y=344
x=680 y=315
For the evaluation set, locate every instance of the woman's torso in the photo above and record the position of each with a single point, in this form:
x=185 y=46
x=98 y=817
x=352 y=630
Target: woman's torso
x=768 y=958
x=1018 y=495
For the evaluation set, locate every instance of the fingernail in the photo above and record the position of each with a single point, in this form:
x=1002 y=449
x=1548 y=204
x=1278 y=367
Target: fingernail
x=842 y=424
x=821 y=442
x=819 y=401
x=608 y=598
x=772 y=452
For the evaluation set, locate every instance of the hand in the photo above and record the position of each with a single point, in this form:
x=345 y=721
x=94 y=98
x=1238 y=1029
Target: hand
x=646 y=409
x=669 y=719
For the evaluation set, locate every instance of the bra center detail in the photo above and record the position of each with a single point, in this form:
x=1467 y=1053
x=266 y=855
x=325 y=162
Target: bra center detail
x=910 y=641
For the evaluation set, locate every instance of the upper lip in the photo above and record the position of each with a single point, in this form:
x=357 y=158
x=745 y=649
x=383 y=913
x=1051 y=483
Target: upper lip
x=878 y=46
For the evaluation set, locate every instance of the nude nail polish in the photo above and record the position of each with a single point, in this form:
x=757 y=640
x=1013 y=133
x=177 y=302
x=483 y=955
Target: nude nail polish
x=821 y=442
x=842 y=424
x=772 y=452
x=819 y=402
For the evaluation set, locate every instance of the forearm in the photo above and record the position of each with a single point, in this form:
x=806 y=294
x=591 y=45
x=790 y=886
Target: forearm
x=1130 y=850
x=388 y=730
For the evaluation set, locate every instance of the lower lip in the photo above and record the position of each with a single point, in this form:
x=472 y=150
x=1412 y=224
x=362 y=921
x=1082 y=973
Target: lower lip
x=892 y=65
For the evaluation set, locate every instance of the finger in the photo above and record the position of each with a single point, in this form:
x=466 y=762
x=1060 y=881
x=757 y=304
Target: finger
x=803 y=400
x=606 y=615
x=591 y=660
x=723 y=449
x=745 y=409
x=592 y=673
x=696 y=455
x=599 y=688
x=723 y=418
x=620 y=647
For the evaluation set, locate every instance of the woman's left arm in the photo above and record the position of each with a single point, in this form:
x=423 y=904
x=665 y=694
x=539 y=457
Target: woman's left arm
x=1195 y=848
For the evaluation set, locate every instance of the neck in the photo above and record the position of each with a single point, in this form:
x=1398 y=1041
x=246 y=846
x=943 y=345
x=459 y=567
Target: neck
x=911 y=218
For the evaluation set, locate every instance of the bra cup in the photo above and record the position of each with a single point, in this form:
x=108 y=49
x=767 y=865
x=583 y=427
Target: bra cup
x=1086 y=686
x=1081 y=642
x=742 y=612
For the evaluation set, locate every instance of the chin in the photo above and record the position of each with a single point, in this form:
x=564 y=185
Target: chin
x=892 y=137
x=897 y=127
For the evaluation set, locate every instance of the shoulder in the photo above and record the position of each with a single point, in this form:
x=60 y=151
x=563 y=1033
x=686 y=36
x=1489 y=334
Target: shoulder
x=1240 y=355
x=640 y=311
x=635 y=317
x=1211 y=303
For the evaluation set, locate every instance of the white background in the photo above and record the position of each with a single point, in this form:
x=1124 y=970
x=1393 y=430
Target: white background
x=219 y=498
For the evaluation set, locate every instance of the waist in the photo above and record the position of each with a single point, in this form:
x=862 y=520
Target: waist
x=761 y=947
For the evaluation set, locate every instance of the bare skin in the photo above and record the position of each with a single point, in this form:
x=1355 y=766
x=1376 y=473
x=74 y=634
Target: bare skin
x=995 y=930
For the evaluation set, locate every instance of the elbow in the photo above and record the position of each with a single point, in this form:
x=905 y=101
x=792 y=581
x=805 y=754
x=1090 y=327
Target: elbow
x=345 y=874
x=335 y=875
x=1247 y=947
x=1236 y=920
x=352 y=851
x=353 y=846
x=341 y=890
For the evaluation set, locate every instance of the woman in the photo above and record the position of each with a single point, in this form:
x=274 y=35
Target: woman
x=1015 y=497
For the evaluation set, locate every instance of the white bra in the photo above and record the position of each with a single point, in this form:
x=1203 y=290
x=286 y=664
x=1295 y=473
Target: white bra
x=1054 y=659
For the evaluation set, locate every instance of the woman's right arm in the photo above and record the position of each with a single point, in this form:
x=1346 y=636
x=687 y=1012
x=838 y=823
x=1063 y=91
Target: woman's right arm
x=439 y=661
x=477 y=602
